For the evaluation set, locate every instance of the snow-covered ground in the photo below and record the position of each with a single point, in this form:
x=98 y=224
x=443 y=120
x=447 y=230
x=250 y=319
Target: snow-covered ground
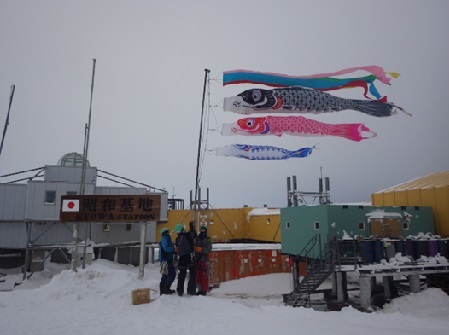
x=97 y=300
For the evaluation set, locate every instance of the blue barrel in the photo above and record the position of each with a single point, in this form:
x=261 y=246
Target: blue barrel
x=432 y=247
x=390 y=251
x=409 y=248
x=400 y=247
x=419 y=249
x=443 y=246
x=378 y=251
x=367 y=251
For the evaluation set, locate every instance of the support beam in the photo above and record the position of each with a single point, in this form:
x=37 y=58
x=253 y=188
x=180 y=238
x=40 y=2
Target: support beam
x=334 y=283
x=387 y=286
x=414 y=283
x=340 y=287
x=29 y=225
x=365 y=292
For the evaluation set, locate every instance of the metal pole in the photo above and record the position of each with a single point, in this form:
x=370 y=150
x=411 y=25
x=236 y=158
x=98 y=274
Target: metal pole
x=197 y=181
x=295 y=194
x=76 y=226
x=11 y=96
x=143 y=231
x=29 y=225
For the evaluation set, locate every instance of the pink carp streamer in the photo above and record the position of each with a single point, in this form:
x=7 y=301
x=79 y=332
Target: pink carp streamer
x=296 y=125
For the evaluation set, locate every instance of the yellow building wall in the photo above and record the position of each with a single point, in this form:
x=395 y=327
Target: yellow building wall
x=435 y=197
x=414 y=197
x=265 y=228
x=428 y=197
x=224 y=224
x=378 y=199
x=400 y=197
x=389 y=199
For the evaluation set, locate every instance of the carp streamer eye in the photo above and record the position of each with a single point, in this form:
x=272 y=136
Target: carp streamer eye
x=250 y=122
x=257 y=95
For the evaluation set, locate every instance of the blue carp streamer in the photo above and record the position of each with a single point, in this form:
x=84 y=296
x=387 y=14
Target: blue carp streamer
x=261 y=152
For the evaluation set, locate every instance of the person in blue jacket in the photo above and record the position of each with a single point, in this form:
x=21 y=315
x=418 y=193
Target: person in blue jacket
x=168 y=274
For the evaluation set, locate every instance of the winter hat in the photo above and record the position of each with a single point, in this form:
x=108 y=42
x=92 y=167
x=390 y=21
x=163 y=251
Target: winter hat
x=203 y=227
x=178 y=228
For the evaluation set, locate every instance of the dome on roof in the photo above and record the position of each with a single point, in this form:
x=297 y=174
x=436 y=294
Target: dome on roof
x=72 y=159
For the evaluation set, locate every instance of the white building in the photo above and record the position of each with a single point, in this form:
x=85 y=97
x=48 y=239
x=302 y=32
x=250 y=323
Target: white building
x=30 y=216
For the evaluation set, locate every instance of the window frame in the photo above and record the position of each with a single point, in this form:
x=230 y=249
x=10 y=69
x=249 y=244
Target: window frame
x=46 y=197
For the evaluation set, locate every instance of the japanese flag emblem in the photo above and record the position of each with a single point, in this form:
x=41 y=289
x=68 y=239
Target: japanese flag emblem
x=70 y=205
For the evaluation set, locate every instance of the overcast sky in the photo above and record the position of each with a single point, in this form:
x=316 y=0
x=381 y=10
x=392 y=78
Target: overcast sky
x=151 y=57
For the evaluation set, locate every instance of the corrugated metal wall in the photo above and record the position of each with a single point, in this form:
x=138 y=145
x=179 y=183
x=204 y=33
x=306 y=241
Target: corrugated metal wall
x=431 y=190
x=13 y=235
x=12 y=202
x=20 y=203
x=120 y=233
x=69 y=174
x=37 y=209
x=226 y=265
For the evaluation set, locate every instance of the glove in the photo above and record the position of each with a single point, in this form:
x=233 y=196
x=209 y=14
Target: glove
x=198 y=249
x=164 y=268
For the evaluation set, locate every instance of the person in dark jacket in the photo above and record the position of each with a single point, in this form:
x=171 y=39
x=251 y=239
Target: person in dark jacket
x=186 y=258
x=203 y=246
x=168 y=274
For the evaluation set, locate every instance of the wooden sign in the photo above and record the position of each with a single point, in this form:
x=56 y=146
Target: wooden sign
x=110 y=208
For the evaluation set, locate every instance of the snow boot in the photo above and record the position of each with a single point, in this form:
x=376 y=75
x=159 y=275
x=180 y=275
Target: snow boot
x=169 y=291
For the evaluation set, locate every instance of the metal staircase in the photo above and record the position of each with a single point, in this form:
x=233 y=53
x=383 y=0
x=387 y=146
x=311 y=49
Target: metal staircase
x=319 y=268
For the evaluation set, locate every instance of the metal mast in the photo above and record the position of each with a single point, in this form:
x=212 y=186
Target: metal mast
x=87 y=128
x=197 y=181
x=11 y=96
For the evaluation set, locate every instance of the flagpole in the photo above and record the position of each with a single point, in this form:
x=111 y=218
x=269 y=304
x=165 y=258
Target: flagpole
x=197 y=181
x=76 y=227
x=11 y=96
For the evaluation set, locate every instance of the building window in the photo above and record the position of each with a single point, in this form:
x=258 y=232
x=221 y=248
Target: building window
x=361 y=225
x=287 y=225
x=106 y=227
x=128 y=227
x=50 y=197
x=405 y=226
x=72 y=193
x=316 y=225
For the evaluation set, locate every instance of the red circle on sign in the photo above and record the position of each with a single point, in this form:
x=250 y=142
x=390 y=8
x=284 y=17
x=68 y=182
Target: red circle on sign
x=71 y=204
